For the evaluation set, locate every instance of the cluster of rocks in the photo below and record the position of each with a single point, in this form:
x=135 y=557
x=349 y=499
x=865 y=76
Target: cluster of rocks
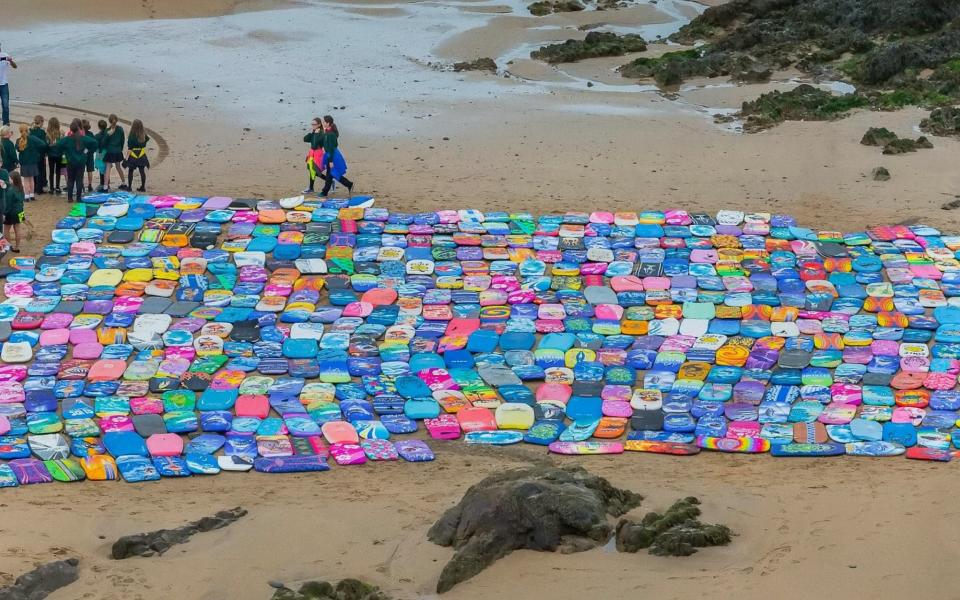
x=346 y=589
x=891 y=143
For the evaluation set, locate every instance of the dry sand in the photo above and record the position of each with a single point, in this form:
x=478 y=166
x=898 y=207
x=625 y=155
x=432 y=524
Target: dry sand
x=422 y=139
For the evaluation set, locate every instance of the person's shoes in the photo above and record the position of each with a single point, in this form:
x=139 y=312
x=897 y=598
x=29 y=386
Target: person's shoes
x=321 y=195
x=350 y=189
x=90 y=188
x=15 y=250
x=307 y=191
x=58 y=191
x=141 y=189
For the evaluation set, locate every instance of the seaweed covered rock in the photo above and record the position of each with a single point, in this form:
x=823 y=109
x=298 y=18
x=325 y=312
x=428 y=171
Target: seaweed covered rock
x=803 y=103
x=594 y=45
x=346 y=589
x=548 y=7
x=540 y=508
x=880 y=174
x=157 y=542
x=878 y=136
x=904 y=145
x=676 y=532
x=943 y=121
x=671 y=68
x=42 y=581
x=480 y=64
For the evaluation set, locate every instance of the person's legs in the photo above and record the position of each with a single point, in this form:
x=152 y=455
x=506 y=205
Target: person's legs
x=28 y=187
x=5 y=101
x=75 y=182
x=40 y=181
x=49 y=166
x=143 y=178
x=312 y=174
x=327 y=179
x=130 y=170
x=119 y=172
x=71 y=183
x=16 y=236
x=346 y=183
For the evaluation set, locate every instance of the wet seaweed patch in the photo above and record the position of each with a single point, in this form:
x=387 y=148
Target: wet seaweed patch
x=803 y=103
x=675 y=532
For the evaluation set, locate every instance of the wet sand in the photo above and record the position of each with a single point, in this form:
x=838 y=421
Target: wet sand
x=211 y=89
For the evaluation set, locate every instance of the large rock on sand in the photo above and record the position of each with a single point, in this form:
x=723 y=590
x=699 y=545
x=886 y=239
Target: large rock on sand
x=540 y=508
x=42 y=581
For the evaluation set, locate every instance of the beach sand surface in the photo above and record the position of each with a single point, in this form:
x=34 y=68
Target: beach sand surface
x=419 y=138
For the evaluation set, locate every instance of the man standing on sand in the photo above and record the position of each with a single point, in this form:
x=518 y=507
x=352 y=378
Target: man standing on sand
x=6 y=61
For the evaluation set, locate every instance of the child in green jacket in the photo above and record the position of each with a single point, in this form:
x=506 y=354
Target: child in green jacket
x=13 y=209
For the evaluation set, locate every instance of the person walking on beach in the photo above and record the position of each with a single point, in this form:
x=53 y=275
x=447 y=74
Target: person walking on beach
x=334 y=164
x=75 y=148
x=8 y=152
x=6 y=63
x=37 y=131
x=137 y=154
x=54 y=154
x=315 y=154
x=29 y=150
x=13 y=209
x=113 y=151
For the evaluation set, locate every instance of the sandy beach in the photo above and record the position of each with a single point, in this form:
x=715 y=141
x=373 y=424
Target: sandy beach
x=229 y=88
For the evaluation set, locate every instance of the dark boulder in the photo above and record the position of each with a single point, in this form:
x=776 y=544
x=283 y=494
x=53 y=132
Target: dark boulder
x=539 y=508
x=43 y=581
x=878 y=136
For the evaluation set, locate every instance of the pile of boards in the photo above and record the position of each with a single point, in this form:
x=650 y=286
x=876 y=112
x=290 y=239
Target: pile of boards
x=165 y=336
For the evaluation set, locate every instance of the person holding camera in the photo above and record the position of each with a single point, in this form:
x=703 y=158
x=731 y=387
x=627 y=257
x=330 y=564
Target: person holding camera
x=6 y=63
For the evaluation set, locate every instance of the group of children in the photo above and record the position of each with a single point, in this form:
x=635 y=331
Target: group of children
x=44 y=155
x=324 y=158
